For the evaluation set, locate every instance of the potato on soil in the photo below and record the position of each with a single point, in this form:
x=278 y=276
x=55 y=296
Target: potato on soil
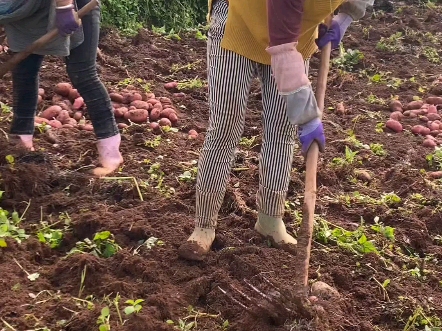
x=171 y=85
x=78 y=115
x=396 y=115
x=432 y=109
x=40 y=120
x=41 y=92
x=56 y=98
x=73 y=94
x=138 y=115
x=165 y=100
x=39 y=100
x=165 y=112
x=433 y=117
x=86 y=127
x=423 y=118
x=396 y=105
x=116 y=105
x=55 y=124
x=173 y=118
x=155 y=114
x=63 y=116
x=153 y=101
x=435 y=174
x=119 y=112
x=126 y=115
x=434 y=100
x=340 y=109
x=420 y=129
x=434 y=133
x=78 y=103
x=158 y=106
x=63 y=89
x=116 y=97
x=429 y=143
x=51 y=112
x=394 y=125
x=406 y=113
x=193 y=134
x=154 y=126
x=417 y=104
x=433 y=126
x=138 y=104
x=147 y=96
x=164 y=122
x=134 y=97
x=67 y=126
x=122 y=125
x=179 y=95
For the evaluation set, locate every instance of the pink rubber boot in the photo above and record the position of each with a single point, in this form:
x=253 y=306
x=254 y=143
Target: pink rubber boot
x=26 y=141
x=110 y=156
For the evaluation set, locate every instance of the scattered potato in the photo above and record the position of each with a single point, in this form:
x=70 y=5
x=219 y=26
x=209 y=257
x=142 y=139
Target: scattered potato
x=78 y=103
x=433 y=117
x=396 y=105
x=73 y=94
x=119 y=112
x=179 y=95
x=154 y=126
x=41 y=92
x=432 y=109
x=340 y=109
x=63 y=89
x=434 y=100
x=138 y=104
x=164 y=122
x=122 y=125
x=435 y=174
x=155 y=114
x=415 y=104
x=71 y=121
x=78 y=115
x=394 y=125
x=55 y=124
x=63 y=116
x=173 y=118
x=153 y=101
x=134 y=97
x=86 y=127
x=429 y=143
x=396 y=115
x=138 y=115
x=165 y=100
x=165 y=112
x=171 y=85
x=433 y=126
x=51 y=112
x=116 y=97
x=193 y=134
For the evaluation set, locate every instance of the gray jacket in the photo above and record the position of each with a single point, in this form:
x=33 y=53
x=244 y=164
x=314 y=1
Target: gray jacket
x=34 y=19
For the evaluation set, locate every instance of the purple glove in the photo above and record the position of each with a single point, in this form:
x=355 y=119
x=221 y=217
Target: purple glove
x=65 y=20
x=335 y=33
x=310 y=132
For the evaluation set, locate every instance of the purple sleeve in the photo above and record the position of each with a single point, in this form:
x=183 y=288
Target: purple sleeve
x=284 y=20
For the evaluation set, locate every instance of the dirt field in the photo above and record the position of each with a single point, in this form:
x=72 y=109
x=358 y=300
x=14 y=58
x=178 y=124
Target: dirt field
x=368 y=173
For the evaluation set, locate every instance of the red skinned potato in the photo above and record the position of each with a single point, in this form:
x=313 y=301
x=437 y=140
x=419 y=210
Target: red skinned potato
x=86 y=127
x=78 y=103
x=395 y=105
x=71 y=121
x=122 y=125
x=41 y=92
x=396 y=115
x=116 y=97
x=126 y=115
x=55 y=124
x=434 y=100
x=138 y=104
x=67 y=126
x=155 y=127
x=406 y=113
x=433 y=126
x=423 y=118
x=153 y=101
x=39 y=100
x=78 y=115
x=432 y=109
x=417 y=129
x=148 y=95
x=193 y=134
x=51 y=112
x=171 y=85
x=164 y=122
x=394 y=125
x=40 y=120
x=415 y=104
x=435 y=174
x=138 y=115
x=165 y=112
x=134 y=97
x=63 y=116
x=73 y=94
x=173 y=118
x=433 y=117
x=434 y=133
x=155 y=114
x=119 y=112
x=179 y=95
x=116 y=105
x=165 y=100
x=63 y=89
x=56 y=98
x=429 y=143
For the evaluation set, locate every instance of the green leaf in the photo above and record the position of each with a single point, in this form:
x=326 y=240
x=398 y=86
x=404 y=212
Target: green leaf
x=3 y=243
x=386 y=283
x=103 y=327
x=129 y=310
x=105 y=312
x=102 y=235
x=170 y=322
x=138 y=301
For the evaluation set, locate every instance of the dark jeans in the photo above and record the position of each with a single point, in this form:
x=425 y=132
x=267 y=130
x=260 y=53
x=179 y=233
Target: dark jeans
x=82 y=71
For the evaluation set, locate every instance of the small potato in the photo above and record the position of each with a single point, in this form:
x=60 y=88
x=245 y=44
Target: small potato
x=413 y=114
x=78 y=115
x=434 y=133
x=165 y=100
x=63 y=116
x=134 y=97
x=165 y=112
x=119 y=112
x=396 y=115
x=67 y=126
x=116 y=97
x=171 y=85
x=422 y=111
x=179 y=95
x=155 y=114
x=155 y=127
x=65 y=104
x=433 y=117
x=132 y=107
x=434 y=100
x=116 y=105
x=340 y=109
x=432 y=109
x=127 y=96
x=40 y=120
x=173 y=118
x=394 y=125
x=73 y=94
x=56 y=99
x=429 y=143
x=78 y=103
x=147 y=96
x=417 y=129
x=39 y=100
x=138 y=115
x=86 y=127
x=435 y=174
x=63 y=89
x=122 y=125
x=51 y=112
x=433 y=126
x=153 y=101
x=395 y=105
x=55 y=124
x=158 y=106
x=126 y=115
x=193 y=134
x=138 y=104
x=41 y=92
x=71 y=121
x=407 y=113
x=164 y=122
x=415 y=104
x=423 y=118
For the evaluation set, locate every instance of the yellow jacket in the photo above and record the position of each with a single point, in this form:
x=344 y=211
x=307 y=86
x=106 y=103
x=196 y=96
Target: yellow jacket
x=246 y=31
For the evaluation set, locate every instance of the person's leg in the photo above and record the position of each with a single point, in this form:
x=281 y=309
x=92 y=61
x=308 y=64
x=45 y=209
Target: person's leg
x=275 y=163
x=82 y=70
x=229 y=77
x=25 y=98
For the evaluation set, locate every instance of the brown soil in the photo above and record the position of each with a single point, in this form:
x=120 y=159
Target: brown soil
x=54 y=181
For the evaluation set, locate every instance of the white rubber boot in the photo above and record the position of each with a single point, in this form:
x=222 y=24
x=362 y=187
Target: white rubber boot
x=109 y=155
x=274 y=229
x=198 y=244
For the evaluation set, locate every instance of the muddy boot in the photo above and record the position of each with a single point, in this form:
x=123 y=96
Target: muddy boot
x=26 y=141
x=274 y=229
x=109 y=155
x=198 y=244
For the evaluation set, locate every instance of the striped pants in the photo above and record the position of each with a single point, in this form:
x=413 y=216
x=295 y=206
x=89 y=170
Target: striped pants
x=230 y=76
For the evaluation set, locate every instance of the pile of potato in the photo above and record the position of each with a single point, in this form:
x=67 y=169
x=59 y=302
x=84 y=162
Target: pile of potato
x=68 y=109
x=427 y=113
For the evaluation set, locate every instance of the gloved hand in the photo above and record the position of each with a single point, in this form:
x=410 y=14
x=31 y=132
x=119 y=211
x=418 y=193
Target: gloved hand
x=65 y=19
x=335 y=33
x=310 y=132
